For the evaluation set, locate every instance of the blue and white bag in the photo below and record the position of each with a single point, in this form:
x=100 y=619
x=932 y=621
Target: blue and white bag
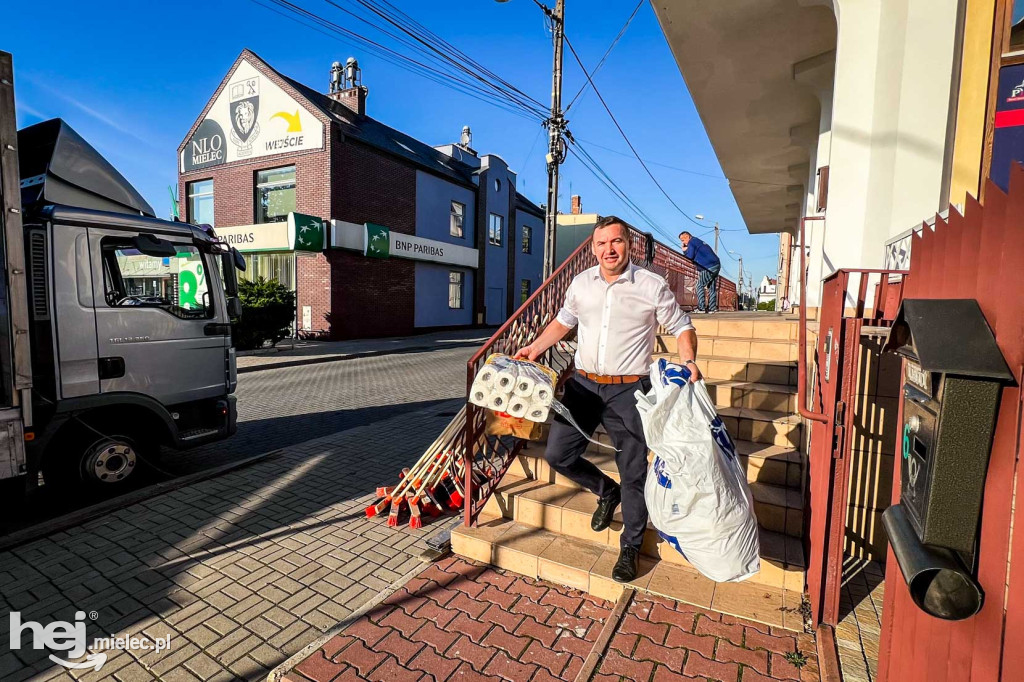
x=696 y=490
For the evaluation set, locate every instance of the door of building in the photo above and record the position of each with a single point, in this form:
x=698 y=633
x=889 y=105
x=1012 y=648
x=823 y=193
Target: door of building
x=495 y=305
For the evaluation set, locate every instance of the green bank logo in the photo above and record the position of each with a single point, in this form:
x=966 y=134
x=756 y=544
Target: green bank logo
x=377 y=242
x=306 y=232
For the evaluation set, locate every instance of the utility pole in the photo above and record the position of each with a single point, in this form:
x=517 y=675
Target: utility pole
x=556 y=126
x=740 y=285
x=716 y=237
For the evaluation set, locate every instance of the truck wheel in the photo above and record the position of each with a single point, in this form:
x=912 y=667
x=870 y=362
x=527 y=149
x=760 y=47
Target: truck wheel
x=84 y=459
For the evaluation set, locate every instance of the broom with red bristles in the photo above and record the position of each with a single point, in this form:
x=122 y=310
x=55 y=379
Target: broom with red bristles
x=421 y=488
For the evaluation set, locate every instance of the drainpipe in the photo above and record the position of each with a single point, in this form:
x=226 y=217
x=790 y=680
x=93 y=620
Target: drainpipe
x=801 y=357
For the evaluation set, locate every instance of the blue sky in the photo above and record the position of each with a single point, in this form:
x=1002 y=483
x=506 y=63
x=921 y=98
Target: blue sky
x=132 y=77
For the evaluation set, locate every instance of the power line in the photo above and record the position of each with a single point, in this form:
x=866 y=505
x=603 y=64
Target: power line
x=447 y=52
x=454 y=81
x=607 y=52
x=623 y=133
x=588 y=162
x=690 y=171
x=726 y=248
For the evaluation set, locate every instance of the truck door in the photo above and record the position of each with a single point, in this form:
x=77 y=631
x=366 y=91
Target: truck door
x=158 y=330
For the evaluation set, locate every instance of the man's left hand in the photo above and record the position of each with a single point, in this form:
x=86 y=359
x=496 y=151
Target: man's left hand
x=694 y=370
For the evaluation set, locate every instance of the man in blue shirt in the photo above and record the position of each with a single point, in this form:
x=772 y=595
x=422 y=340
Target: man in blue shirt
x=708 y=267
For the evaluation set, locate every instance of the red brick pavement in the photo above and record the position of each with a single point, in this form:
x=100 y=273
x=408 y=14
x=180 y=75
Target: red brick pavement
x=459 y=620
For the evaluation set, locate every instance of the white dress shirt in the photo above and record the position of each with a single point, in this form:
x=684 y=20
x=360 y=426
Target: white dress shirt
x=618 y=321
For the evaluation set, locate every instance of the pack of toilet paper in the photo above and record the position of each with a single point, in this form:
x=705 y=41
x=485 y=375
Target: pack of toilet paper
x=519 y=388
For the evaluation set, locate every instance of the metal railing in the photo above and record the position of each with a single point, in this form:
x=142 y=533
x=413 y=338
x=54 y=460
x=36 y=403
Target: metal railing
x=485 y=459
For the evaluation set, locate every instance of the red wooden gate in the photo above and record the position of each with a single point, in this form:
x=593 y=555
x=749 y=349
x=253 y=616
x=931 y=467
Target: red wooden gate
x=842 y=315
x=978 y=255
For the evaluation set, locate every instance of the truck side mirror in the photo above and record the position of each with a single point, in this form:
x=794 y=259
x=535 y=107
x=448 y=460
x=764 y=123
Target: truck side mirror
x=239 y=260
x=234 y=307
x=228 y=262
x=149 y=245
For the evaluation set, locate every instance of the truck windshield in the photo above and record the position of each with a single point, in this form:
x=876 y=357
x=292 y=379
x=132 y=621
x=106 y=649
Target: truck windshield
x=180 y=285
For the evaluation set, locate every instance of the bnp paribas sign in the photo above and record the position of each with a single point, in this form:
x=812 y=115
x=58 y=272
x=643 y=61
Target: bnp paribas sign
x=306 y=232
x=250 y=117
x=300 y=232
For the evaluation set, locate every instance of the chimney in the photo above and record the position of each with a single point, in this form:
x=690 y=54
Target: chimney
x=577 y=204
x=347 y=85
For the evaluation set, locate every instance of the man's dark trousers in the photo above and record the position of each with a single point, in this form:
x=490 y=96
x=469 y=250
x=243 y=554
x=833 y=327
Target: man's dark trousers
x=613 y=406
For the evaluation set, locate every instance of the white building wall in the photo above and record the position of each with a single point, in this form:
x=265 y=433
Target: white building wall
x=886 y=142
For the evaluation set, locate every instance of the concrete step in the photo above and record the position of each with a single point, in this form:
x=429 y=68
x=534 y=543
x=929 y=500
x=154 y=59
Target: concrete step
x=778 y=509
x=764 y=463
x=768 y=328
x=717 y=368
x=586 y=565
x=758 y=426
x=752 y=394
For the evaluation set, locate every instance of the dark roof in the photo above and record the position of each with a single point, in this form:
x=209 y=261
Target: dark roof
x=374 y=133
x=524 y=204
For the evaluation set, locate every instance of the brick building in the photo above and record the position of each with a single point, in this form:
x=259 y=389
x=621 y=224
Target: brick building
x=414 y=237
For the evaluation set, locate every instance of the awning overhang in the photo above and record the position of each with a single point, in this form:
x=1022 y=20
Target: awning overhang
x=756 y=70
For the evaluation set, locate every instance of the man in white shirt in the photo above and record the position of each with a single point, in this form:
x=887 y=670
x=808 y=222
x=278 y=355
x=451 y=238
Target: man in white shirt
x=618 y=308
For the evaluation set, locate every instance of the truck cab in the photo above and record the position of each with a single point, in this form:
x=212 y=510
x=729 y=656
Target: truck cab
x=129 y=319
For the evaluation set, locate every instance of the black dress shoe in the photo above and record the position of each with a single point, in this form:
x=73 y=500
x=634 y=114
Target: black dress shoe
x=626 y=567
x=606 y=510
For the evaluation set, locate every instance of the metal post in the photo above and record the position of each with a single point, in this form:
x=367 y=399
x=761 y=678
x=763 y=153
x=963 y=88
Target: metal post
x=556 y=125
x=716 y=237
x=739 y=285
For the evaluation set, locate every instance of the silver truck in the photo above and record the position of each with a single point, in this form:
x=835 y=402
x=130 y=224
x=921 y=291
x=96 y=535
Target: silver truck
x=115 y=326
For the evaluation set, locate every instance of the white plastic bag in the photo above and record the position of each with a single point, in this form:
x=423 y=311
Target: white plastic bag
x=696 y=490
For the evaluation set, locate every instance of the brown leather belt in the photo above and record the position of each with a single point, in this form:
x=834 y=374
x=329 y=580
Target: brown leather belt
x=612 y=378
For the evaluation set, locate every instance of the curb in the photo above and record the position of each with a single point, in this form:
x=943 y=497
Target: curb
x=351 y=356
x=79 y=516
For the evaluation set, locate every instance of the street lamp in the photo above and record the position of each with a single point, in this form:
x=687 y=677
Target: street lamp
x=556 y=127
x=701 y=217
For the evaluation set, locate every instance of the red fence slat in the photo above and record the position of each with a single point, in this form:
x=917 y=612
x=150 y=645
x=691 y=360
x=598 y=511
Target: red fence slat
x=980 y=255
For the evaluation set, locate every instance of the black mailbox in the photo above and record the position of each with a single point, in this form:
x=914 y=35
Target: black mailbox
x=954 y=373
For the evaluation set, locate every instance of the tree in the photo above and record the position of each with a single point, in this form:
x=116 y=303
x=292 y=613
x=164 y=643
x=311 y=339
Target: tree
x=268 y=308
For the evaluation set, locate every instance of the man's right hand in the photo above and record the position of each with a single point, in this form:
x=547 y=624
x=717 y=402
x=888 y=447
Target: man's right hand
x=526 y=353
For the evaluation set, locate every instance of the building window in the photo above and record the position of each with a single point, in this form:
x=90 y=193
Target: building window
x=1016 y=26
x=455 y=290
x=527 y=239
x=524 y=290
x=279 y=266
x=275 y=194
x=200 y=202
x=495 y=230
x=458 y=216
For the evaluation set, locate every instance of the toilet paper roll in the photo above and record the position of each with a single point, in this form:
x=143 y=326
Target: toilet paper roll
x=537 y=413
x=504 y=381
x=480 y=394
x=524 y=387
x=499 y=402
x=543 y=395
x=517 y=407
x=486 y=375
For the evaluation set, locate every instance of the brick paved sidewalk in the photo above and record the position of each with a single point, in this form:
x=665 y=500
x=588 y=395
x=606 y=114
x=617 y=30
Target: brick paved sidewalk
x=459 y=620
x=296 y=352
x=243 y=570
